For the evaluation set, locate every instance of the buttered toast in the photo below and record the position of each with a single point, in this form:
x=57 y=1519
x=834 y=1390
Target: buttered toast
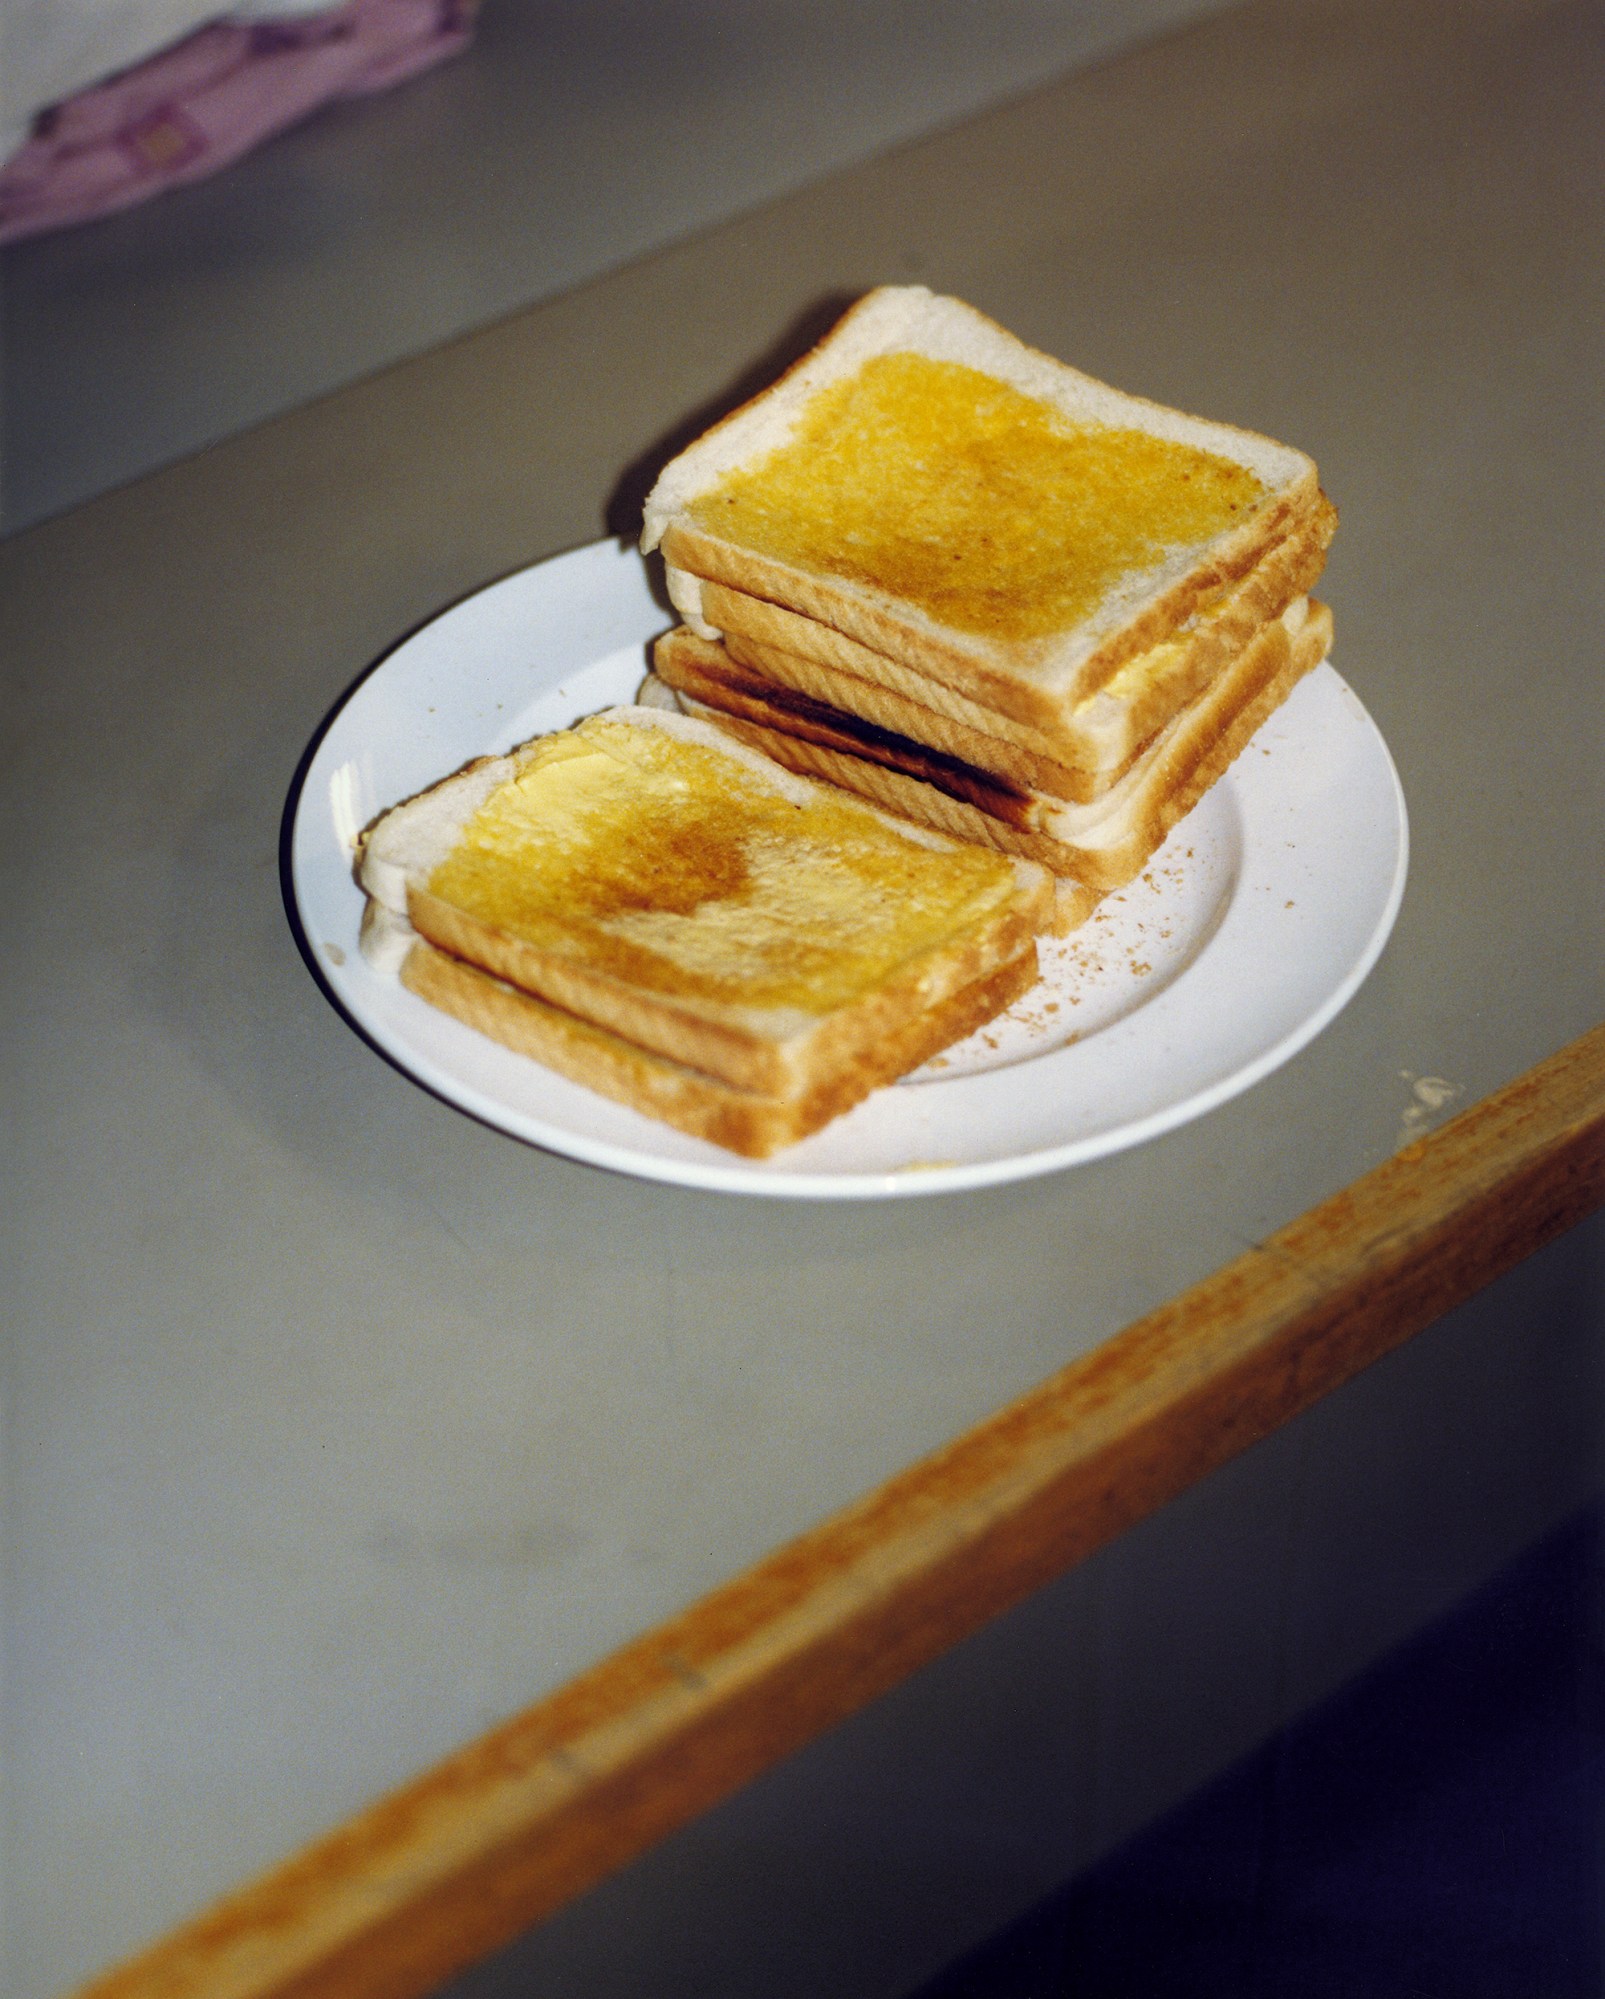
x=989 y=519
x=974 y=585
x=672 y=918
x=1101 y=845
x=754 y=1123
x=1095 y=739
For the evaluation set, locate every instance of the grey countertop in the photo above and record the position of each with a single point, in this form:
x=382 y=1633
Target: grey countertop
x=566 y=141
x=339 y=1426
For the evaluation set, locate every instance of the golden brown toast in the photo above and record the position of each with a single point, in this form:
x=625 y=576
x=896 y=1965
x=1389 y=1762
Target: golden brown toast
x=1096 y=740
x=646 y=874
x=932 y=489
x=708 y=672
x=743 y=1121
x=1106 y=844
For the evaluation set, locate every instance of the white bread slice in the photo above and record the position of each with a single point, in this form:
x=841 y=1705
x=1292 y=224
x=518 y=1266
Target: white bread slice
x=1081 y=757
x=1073 y=903
x=1143 y=584
x=1106 y=844
x=706 y=671
x=743 y=1121
x=825 y=935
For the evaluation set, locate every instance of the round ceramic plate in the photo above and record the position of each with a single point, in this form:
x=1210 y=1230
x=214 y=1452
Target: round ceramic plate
x=1249 y=930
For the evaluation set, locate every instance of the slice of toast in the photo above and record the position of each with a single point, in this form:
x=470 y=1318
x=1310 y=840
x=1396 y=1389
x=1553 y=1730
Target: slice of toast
x=1106 y=844
x=645 y=873
x=743 y=1121
x=709 y=672
x=928 y=486
x=1091 y=745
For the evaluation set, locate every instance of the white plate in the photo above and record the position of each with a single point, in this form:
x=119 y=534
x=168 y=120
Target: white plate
x=1251 y=928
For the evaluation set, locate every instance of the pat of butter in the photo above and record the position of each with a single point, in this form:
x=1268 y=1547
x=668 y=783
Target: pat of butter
x=679 y=869
x=1142 y=671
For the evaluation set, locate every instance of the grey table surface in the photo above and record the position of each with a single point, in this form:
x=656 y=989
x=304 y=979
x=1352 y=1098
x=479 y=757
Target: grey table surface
x=561 y=145
x=338 y=1426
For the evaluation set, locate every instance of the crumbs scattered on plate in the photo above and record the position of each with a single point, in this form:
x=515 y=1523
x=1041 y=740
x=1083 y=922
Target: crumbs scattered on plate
x=1130 y=948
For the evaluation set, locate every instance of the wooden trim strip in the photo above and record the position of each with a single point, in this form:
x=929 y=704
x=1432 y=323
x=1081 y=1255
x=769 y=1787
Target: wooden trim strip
x=504 y=1832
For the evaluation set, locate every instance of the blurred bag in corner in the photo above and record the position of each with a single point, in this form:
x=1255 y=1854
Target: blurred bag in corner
x=200 y=102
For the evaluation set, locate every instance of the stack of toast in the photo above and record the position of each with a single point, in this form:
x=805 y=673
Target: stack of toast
x=981 y=589
x=1018 y=622
x=673 y=920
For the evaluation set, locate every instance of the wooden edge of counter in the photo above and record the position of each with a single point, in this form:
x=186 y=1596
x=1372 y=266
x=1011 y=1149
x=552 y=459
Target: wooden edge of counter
x=501 y=1834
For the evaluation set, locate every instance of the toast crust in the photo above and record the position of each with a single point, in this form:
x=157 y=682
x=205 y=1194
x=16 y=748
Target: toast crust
x=1092 y=743
x=1031 y=679
x=775 y=674
x=742 y=1121
x=1034 y=690
x=893 y=318
x=708 y=672
x=976 y=920
x=1181 y=766
x=738 y=1045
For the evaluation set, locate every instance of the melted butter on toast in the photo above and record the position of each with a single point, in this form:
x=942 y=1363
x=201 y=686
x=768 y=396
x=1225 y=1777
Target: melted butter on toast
x=1137 y=674
x=986 y=507
x=678 y=869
